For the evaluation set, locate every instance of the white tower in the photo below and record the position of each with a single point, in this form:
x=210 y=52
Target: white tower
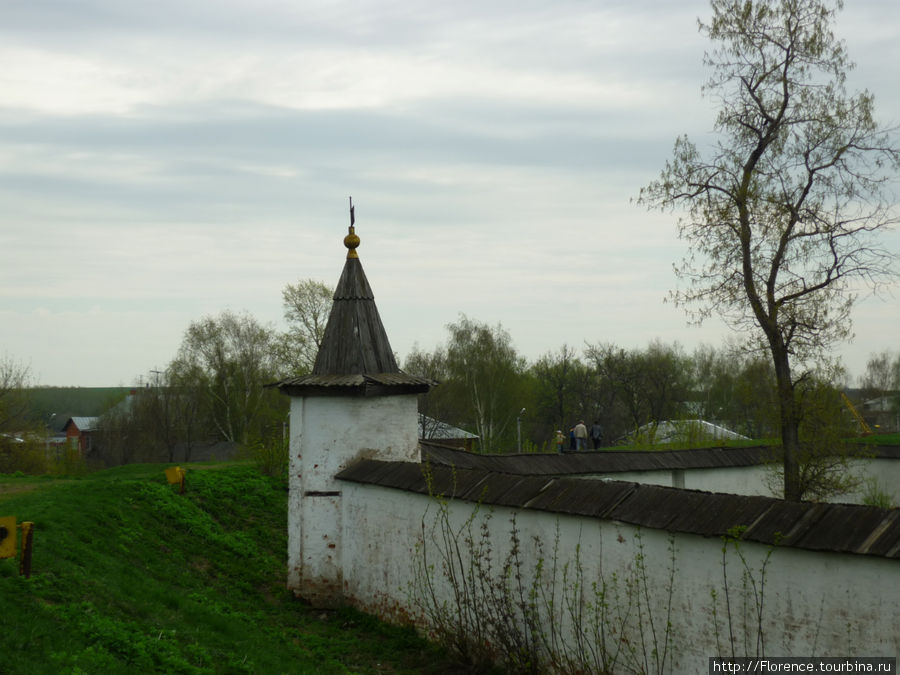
x=355 y=404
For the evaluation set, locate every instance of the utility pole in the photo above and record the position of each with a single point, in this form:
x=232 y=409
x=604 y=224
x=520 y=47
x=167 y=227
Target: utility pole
x=519 y=430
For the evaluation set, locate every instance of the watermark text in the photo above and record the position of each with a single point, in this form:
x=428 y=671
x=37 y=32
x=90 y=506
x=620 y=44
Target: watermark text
x=811 y=664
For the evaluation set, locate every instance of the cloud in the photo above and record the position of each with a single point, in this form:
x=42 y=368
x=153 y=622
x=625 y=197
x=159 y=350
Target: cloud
x=162 y=161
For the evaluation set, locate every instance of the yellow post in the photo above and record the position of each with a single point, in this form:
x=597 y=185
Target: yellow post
x=8 y=537
x=25 y=560
x=175 y=475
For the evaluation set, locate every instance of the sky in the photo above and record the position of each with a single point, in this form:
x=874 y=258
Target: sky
x=161 y=162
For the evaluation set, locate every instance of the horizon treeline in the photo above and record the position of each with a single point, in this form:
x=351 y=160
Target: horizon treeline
x=214 y=389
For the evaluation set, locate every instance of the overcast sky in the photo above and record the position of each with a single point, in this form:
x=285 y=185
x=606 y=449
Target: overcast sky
x=164 y=161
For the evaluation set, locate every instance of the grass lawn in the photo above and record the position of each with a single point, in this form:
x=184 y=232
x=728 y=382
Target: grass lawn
x=130 y=577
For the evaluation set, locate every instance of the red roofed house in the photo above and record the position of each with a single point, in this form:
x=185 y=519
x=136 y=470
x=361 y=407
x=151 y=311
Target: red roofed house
x=78 y=432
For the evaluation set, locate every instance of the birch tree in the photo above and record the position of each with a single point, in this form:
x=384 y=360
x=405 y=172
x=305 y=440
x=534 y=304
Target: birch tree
x=482 y=362
x=307 y=306
x=233 y=356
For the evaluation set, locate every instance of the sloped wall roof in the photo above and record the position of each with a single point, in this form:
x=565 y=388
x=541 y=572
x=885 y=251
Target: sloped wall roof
x=840 y=528
x=610 y=461
x=603 y=461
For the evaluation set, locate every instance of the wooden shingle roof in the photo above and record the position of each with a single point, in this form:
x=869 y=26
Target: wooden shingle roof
x=355 y=357
x=355 y=340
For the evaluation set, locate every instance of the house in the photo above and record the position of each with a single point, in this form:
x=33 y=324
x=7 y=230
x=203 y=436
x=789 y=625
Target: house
x=882 y=413
x=79 y=432
x=436 y=431
x=682 y=431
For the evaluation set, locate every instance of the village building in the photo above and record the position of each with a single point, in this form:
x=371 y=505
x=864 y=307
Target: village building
x=79 y=433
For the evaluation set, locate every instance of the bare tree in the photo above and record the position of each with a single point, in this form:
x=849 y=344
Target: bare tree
x=14 y=381
x=19 y=449
x=783 y=213
x=186 y=383
x=485 y=374
x=882 y=374
x=564 y=390
x=434 y=406
x=232 y=356
x=647 y=386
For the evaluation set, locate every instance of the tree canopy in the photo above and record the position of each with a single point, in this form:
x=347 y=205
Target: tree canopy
x=307 y=305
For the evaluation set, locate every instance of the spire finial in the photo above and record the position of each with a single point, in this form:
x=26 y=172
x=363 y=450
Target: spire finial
x=351 y=241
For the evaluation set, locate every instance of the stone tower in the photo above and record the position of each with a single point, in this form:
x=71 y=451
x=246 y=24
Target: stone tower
x=355 y=404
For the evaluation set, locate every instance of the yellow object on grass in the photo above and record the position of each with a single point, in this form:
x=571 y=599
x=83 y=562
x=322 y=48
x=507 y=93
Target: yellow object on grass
x=175 y=474
x=8 y=537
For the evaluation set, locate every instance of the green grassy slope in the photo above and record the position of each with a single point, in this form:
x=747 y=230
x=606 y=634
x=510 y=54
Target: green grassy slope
x=129 y=576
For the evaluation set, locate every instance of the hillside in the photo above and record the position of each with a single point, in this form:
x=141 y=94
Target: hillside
x=54 y=405
x=129 y=576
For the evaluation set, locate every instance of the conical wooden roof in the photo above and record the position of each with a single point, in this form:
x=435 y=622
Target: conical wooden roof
x=356 y=356
x=355 y=340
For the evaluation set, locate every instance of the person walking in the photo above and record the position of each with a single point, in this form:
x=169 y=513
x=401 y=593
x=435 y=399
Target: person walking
x=581 y=436
x=596 y=434
x=560 y=440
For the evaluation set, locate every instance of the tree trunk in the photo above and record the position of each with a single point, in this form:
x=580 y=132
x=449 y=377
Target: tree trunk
x=790 y=423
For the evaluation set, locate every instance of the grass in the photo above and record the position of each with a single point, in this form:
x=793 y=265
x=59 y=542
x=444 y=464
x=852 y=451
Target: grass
x=880 y=439
x=129 y=576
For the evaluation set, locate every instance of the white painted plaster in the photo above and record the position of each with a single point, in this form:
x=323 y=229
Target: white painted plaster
x=822 y=604
x=362 y=544
x=328 y=433
x=756 y=480
x=295 y=493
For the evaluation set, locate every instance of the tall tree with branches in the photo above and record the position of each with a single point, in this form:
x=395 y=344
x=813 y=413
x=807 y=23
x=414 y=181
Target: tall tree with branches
x=232 y=357
x=783 y=211
x=484 y=372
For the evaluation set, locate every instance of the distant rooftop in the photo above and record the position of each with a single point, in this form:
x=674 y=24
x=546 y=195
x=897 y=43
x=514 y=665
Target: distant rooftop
x=674 y=431
x=84 y=423
x=433 y=429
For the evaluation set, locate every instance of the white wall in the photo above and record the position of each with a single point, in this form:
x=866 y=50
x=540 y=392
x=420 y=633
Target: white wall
x=744 y=480
x=754 y=480
x=328 y=434
x=822 y=604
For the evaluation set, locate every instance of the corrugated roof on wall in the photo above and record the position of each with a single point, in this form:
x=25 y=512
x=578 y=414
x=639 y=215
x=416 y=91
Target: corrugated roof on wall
x=843 y=528
x=606 y=461
x=597 y=462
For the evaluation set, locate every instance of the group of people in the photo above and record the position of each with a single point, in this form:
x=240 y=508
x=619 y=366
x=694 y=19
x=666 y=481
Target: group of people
x=578 y=437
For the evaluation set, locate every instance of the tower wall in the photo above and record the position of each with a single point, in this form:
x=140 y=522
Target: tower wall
x=327 y=434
